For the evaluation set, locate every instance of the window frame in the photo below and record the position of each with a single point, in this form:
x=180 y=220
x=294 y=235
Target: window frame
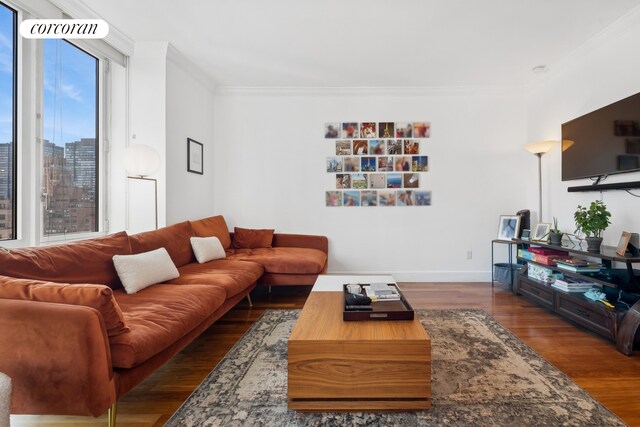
x=101 y=101
x=15 y=201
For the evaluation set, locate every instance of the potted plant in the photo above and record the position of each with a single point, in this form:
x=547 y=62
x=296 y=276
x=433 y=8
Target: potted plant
x=592 y=222
x=555 y=235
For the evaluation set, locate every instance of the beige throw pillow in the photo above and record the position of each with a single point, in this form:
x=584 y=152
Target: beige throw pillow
x=139 y=271
x=207 y=248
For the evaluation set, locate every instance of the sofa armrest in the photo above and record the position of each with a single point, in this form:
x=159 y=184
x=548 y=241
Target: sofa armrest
x=58 y=358
x=301 y=241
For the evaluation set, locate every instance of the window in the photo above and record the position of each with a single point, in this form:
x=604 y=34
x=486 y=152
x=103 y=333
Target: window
x=70 y=148
x=8 y=127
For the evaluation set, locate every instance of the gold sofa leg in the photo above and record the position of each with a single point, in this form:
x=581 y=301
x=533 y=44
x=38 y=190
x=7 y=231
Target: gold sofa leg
x=249 y=300
x=112 y=414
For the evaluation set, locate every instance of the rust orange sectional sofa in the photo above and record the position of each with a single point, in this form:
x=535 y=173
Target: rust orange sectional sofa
x=73 y=341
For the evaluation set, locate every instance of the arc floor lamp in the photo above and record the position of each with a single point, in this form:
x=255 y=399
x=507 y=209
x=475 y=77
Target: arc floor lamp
x=539 y=148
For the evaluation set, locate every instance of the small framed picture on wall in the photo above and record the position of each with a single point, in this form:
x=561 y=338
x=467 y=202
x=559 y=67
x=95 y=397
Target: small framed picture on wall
x=195 y=157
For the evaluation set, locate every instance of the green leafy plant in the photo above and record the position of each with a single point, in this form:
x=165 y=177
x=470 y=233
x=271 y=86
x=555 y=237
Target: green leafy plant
x=592 y=221
x=555 y=228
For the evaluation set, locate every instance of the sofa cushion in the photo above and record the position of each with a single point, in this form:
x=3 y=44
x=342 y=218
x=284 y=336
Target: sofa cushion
x=140 y=271
x=99 y=297
x=283 y=260
x=84 y=261
x=246 y=238
x=213 y=226
x=174 y=238
x=233 y=276
x=158 y=316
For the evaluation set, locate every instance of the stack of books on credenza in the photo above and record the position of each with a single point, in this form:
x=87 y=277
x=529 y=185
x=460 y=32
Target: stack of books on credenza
x=543 y=255
x=571 y=284
x=578 y=265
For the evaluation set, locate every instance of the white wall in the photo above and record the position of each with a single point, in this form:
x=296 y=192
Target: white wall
x=270 y=157
x=147 y=115
x=603 y=71
x=189 y=114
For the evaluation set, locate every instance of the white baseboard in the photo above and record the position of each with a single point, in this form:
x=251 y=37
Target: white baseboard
x=427 y=276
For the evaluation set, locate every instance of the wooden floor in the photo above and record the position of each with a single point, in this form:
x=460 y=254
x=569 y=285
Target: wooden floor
x=592 y=362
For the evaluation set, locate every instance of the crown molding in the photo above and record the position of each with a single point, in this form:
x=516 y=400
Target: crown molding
x=623 y=25
x=366 y=91
x=116 y=38
x=186 y=65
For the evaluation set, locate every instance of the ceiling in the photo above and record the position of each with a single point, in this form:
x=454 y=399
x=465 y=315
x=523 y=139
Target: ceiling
x=366 y=43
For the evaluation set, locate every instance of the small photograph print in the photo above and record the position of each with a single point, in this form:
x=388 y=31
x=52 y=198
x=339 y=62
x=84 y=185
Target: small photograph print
x=385 y=164
x=377 y=180
x=420 y=163
x=359 y=181
x=351 y=198
x=376 y=146
x=360 y=147
x=368 y=130
x=334 y=164
x=368 y=164
x=404 y=130
x=343 y=148
x=343 y=181
x=350 y=130
x=333 y=198
x=352 y=164
x=369 y=198
x=405 y=198
x=385 y=129
x=423 y=198
x=387 y=198
x=632 y=145
x=331 y=130
x=402 y=164
x=394 y=180
x=411 y=146
x=394 y=147
x=411 y=180
x=421 y=129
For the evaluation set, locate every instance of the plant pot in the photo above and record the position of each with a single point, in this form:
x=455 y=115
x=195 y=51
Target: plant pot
x=593 y=244
x=555 y=239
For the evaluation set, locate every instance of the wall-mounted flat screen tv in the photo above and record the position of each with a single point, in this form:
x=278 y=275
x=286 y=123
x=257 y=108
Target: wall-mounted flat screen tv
x=603 y=142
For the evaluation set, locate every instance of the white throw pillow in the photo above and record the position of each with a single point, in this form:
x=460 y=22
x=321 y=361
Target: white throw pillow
x=139 y=271
x=207 y=248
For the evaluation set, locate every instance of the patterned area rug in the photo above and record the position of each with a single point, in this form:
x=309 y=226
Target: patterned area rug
x=482 y=375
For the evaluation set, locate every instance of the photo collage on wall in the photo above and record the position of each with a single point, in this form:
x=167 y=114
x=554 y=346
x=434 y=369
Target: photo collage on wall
x=377 y=163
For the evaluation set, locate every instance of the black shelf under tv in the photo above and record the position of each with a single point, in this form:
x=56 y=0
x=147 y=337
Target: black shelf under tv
x=620 y=324
x=605 y=187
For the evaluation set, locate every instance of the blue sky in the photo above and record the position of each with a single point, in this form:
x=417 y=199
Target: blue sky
x=69 y=81
x=6 y=73
x=69 y=92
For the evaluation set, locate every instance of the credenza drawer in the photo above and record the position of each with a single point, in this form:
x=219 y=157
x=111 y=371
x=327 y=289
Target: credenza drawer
x=597 y=319
x=538 y=293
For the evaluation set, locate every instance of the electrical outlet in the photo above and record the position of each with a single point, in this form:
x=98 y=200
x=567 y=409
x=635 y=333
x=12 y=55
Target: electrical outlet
x=469 y=254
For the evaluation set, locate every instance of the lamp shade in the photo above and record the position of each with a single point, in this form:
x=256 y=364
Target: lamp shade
x=539 y=147
x=141 y=160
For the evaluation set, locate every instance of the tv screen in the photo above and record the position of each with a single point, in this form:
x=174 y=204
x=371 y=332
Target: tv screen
x=603 y=142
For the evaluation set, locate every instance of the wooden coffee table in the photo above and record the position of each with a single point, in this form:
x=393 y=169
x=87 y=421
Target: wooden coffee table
x=335 y=365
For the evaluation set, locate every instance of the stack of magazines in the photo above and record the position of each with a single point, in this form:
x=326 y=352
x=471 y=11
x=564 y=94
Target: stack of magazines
x=382 y=292
x=572 y=284
x=578 y=265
